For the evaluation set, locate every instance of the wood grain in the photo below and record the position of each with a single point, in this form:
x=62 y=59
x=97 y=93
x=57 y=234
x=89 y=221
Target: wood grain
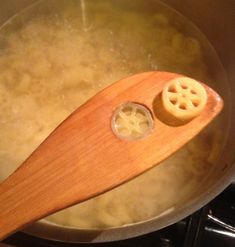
x=82 y=158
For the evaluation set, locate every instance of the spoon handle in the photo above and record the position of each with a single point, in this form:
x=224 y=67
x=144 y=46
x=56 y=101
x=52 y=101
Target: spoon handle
x=66 y=168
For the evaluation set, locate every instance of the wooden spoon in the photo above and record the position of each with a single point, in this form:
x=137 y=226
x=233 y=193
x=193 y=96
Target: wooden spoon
x=83 y=158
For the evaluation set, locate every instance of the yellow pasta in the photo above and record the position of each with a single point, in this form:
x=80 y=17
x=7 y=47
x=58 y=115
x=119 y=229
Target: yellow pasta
x=50 y=65
x=132 y=121
x=184 y=98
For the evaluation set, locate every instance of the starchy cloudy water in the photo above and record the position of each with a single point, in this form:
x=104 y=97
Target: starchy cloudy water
x=52 y=63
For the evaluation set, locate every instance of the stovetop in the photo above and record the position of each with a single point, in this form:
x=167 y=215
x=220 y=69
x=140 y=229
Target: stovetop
x=213 y=225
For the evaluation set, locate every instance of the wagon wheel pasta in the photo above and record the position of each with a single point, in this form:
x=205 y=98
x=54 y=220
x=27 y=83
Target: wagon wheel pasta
x=132 y=121
x=184 y=98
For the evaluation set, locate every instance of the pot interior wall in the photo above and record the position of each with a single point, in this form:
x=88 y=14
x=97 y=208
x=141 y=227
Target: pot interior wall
x=216 y=20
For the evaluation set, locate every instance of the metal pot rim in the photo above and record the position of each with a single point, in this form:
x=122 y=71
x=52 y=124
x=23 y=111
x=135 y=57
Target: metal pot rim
x=50 y=231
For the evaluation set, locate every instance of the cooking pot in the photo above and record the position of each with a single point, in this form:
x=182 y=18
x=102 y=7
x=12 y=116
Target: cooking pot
x=216 y=19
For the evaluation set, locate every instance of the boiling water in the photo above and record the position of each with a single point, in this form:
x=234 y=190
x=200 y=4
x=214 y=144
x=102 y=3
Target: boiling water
x=57 y=54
